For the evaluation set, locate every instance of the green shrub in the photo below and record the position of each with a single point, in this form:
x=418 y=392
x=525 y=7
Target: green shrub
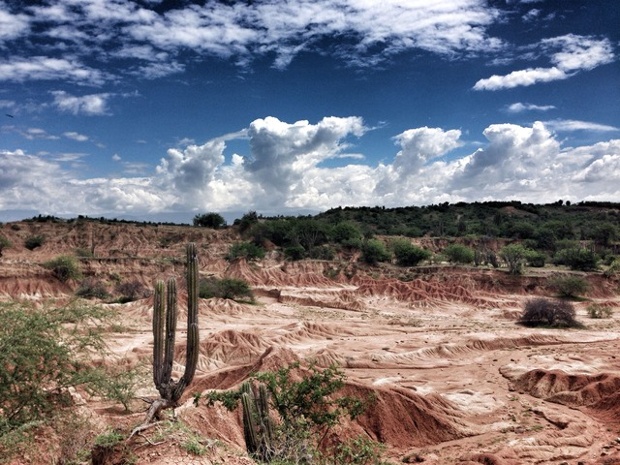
x=279 y=232
x=603 y=234
x=294 y=252
x=599 y=311
x=535 y=258
x=247 y=221
x=118 y=383
x=309 y=233
x=613 y=269
x=515 y=256
x=346 y=232
x=247 y=250
x=569 y=286
x=109 y=438
x=360 y=450
x=322 y=252
x=458 y=253
x=374 y=251
x=32 y=242
x=308 y=408
x=549 y=313
x=4 y=244
x=40 y=350
x=64 y=268
x=577 y=258
x=210 y=220
x=408 y=254
x=352 y=244
x=226 y=288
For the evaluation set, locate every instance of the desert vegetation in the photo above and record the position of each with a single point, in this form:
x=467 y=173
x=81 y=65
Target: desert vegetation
x=451 y=333
x=549 y=313
x=305 y=411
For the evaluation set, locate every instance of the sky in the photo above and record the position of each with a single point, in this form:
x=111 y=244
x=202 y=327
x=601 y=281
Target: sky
x=162 y=110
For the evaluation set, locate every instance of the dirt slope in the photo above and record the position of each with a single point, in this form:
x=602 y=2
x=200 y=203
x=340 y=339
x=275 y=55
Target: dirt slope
x=456 y=380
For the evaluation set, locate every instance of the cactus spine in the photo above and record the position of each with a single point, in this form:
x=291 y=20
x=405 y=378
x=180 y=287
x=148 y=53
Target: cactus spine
x=257 y=422
x=164 y=331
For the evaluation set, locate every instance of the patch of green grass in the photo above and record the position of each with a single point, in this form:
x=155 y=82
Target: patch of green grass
x=109 y=438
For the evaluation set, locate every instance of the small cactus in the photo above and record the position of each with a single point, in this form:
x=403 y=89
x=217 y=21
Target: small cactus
x=249 y=425
x=257 y=422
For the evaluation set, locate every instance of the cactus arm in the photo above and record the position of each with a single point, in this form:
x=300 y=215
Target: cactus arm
x=266 y=421
x=257 y=424
x=192 y=348
x=158 y=332
x=191 y=363
x=249 y=427
x=193 y=337
x=171 y=326
x=192 y=284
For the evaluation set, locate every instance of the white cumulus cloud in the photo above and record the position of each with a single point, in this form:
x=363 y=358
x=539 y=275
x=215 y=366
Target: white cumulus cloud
x=422 y=145
x=285 y=171
x=93 y=104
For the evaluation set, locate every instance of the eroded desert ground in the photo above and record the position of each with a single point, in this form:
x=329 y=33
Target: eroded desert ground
x=456 y=379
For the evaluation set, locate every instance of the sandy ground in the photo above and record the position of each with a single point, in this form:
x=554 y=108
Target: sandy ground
x=457 y=380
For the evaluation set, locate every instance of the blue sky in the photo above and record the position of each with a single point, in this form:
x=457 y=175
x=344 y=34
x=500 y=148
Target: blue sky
x=161 y=109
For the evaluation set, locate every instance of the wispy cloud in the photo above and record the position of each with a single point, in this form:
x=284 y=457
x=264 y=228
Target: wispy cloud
x=566 y=125
x=12 y=25
x=105 y=33
x=524 y=77
x=569 y=54
x=7 y=104
x=69 y=157
x=531 y=15
x=520 y=107
x=579 y=52
x=136 y=168
x=75 y=136
x=37 y=133
x=38 y=68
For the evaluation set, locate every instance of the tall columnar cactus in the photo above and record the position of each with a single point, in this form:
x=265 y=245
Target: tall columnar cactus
x=164 y=329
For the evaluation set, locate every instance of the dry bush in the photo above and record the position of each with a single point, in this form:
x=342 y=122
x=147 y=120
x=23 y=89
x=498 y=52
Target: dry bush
x=92 y=288
x=132 y=290
x=549 y=313
x=599 y=311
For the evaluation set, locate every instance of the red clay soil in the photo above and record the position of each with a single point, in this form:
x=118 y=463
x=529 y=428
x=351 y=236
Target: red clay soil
x=456 y=380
